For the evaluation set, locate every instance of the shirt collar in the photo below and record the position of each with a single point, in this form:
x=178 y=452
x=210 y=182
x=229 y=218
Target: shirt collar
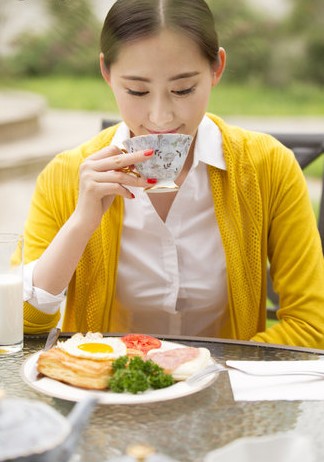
x=122 y=133
x=208 y=147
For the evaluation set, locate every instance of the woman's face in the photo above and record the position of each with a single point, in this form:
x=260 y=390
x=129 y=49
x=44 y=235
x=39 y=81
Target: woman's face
x=162 y=83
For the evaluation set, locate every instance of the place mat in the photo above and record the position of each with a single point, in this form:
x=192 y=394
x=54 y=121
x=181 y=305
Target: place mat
x=273 y=388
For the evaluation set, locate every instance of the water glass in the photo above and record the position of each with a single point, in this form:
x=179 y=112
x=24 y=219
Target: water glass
x=11 y=293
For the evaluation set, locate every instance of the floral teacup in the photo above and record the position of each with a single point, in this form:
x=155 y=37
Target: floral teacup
x=170 y=153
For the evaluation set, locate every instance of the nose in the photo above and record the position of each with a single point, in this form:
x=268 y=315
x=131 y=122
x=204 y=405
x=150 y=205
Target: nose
x=161 y=112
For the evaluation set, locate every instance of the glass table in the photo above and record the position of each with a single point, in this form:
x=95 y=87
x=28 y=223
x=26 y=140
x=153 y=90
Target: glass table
x=185 y=428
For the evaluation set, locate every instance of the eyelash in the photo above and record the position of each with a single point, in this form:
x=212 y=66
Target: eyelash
x=185 y=92
x=136 y=93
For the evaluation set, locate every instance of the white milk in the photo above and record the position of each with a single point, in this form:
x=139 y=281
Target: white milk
x=11 y=309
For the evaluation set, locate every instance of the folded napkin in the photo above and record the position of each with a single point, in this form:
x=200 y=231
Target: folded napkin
x=288 y=447
x=271 y=387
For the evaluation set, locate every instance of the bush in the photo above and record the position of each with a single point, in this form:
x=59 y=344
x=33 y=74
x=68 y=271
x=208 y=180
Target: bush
x=305 y=27
x=70 y=46
x=246 y=36
x=274 y=52
x=260 y=50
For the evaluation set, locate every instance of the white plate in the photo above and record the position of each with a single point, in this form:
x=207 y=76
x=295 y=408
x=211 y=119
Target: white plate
x=61 y=390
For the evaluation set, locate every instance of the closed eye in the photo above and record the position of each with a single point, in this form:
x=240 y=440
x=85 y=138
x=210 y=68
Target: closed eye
x=136 y=93
x=187 y=91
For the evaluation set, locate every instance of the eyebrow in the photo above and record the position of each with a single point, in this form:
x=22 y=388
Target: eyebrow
x=184 y=75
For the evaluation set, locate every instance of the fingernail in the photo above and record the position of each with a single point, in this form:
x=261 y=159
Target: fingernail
x=149 y=152
x=151 y=180
x=133 y=196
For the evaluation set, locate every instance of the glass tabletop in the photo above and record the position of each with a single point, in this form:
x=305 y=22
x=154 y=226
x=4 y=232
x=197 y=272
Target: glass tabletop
x=185 y=428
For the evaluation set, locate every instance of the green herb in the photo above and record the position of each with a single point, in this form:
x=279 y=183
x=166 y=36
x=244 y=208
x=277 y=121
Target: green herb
x=133 y=381
x=136 y=375
x=120 y=363
x=161 y=380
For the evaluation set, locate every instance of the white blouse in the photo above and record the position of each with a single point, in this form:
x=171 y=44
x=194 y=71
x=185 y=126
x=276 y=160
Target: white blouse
x=171 y=275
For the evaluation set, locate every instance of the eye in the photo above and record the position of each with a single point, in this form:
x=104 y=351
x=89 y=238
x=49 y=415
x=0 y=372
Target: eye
x=187 y=91
x=136 y=93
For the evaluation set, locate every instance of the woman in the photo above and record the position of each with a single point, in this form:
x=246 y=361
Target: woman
x=192 y=262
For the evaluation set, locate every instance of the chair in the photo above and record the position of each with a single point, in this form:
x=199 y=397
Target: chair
x=105 y=123
x=307 y=148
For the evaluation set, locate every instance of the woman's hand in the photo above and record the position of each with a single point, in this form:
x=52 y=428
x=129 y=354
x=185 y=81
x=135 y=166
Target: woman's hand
x=102 y=178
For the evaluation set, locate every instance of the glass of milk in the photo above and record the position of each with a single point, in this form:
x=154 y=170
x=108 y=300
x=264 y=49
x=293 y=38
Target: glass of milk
x=11 y=293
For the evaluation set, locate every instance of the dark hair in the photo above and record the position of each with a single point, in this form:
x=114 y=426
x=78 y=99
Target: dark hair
x=129 y=20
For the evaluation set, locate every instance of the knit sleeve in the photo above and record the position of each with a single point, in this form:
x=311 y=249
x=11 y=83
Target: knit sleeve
x=54 y=200
x=50 y=208
x=295 y=256
x=36 y=321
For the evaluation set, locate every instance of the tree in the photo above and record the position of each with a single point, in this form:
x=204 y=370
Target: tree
x=247 y=37
x=69 y=46
x=305 y=28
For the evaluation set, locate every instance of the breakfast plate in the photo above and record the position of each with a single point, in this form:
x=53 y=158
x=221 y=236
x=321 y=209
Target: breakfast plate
x=62 y=390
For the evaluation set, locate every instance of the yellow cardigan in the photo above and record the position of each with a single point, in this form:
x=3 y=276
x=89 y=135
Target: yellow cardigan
x=263 y=211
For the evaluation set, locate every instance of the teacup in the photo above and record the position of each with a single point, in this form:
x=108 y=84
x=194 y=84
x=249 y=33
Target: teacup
x=170 y=153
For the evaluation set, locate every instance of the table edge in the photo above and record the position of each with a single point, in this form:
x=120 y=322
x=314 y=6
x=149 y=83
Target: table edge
x=179 y=338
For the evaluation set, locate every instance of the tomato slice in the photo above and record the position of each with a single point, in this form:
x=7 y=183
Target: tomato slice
x=141 y=342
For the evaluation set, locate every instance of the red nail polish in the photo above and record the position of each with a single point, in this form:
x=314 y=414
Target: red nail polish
x=133 y=196
x=149 y=152
x=151 y=180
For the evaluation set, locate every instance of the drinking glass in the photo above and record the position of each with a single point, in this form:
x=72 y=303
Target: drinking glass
x=11 y=293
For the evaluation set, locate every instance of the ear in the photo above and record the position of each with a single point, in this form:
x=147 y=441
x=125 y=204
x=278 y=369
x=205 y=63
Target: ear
x=103 y=68
x=218 y=67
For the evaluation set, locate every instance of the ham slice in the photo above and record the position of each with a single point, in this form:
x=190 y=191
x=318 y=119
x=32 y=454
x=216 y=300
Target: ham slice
x=181 y=363
x=170 y=360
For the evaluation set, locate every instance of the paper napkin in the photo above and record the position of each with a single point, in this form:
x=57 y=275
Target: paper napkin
x=287 y=447
x=271 y=387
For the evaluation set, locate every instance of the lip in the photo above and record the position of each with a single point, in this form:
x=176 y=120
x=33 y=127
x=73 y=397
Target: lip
x=163 y=132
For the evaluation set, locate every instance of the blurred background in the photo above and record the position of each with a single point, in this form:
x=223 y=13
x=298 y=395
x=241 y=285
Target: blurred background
x=52 y=96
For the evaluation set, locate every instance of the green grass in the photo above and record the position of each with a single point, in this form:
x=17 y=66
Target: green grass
x=91 y=93
x=296 y=100
x=315 y=169
x=271 y=322
x=87 y=93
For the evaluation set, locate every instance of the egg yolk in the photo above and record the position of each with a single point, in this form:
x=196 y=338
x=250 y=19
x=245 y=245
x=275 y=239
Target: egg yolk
x=96 y=347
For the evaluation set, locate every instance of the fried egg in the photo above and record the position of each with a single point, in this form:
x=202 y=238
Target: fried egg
x=93 y=346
